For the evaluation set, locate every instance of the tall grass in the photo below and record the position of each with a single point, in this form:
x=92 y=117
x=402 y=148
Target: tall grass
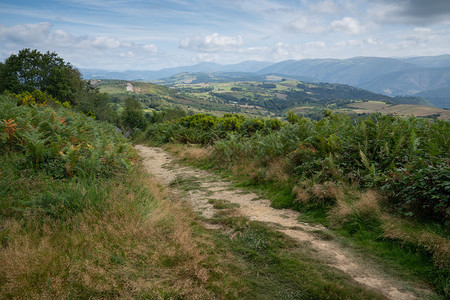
x=356 y=176
x=136 y=244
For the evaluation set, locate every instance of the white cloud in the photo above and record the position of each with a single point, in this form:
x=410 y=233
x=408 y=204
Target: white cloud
x=315 y=44
x=150 y=48
x=27 y=33
x=105 y=42
x=350 y=43
x=87 y=51
x=348 y=25
x=326 y=6
x=419 y=35
x=357 y=43
x=211 y=43
x=305 y=25
x=128 y=54
x=40 y=35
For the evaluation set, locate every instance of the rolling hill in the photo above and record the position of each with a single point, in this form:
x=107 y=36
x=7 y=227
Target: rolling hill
x=218 y=94
x=390 y=76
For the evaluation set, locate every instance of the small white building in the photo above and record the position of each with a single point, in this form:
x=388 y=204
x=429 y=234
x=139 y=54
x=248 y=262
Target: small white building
x=130 y=87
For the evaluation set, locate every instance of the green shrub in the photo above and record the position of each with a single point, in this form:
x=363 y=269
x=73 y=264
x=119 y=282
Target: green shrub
x=422 y=192
x=52 y=146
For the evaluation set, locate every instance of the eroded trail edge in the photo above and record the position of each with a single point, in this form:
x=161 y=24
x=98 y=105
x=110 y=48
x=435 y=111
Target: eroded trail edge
x=209 y=186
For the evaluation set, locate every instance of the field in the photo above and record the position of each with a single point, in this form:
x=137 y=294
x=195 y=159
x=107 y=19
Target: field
x=215 y=95
x=403 y=110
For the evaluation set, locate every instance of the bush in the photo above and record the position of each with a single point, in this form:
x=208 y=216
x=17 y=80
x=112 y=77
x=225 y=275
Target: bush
x=60 y=142
x=422 y=192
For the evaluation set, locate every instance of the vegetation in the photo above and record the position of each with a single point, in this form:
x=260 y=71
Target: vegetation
x=382 y=180
x=80 y=219
x=220 y=95
x=31 y=70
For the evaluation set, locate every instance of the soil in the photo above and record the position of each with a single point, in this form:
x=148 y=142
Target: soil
x=209 y=188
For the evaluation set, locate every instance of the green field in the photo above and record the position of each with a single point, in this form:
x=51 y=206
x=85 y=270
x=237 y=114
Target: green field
x=262 y=99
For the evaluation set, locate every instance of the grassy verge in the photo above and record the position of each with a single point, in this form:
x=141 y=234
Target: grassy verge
x=409 y=249
x=136 y=244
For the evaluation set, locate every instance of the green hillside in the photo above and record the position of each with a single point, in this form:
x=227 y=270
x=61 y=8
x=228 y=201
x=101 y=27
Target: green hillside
x=220 y=93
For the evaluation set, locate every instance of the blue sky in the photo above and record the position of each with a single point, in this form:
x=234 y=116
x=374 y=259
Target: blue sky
x=149 y=35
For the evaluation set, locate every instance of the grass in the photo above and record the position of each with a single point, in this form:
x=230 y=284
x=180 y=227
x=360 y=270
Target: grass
x=274 y=267
x=136 y=244
x=186 y=183
x=222 y=204
x=357 y=220
x=142 y=244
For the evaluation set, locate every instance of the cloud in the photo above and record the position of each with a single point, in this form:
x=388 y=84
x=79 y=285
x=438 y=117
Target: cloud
x=357 y=43
x=419 y=35
x=305 y=25
x=315 y=44
x=276 y=52
x=326 y=6
x=150 y=48
x=41 y=35
x=211 y=43
x=105 y=42
x=417 y=12
x=27 y=33
x=87 y=51
x=348 y=25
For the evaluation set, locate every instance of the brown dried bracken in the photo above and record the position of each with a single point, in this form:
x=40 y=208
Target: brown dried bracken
x=10 y=127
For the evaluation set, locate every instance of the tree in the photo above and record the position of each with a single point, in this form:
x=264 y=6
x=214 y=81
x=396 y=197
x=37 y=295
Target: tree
x=133 y=115
x=98 y=105
x=291 y=117
x=31 y=70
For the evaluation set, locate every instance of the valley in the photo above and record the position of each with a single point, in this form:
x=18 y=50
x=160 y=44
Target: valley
x=264 y=96
x=388 y=76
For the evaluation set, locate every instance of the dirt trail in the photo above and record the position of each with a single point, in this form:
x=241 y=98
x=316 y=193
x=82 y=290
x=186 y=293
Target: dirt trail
x=160 y=164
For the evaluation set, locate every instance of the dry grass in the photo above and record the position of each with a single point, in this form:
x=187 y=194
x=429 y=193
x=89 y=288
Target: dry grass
x=195 y=153
x=408 y=232
x=301 y=194
x=368 y=203
x=189 y=152
x=327 y=192
x=140 y=244
x=364 y=205
x=277 y=171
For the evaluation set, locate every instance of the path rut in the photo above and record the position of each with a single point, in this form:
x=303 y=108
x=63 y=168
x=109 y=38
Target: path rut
x=161 y=164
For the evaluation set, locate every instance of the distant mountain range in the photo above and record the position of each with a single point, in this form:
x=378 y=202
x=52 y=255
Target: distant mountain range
x=418 y=76
x=246 y=66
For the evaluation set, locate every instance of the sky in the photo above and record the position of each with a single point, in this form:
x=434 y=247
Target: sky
x=150 y=35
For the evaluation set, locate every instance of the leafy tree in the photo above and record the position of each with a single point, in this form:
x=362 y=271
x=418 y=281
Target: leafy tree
x=31 y=70
x=133 y=115
x=98 y=105
x=291 y=117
